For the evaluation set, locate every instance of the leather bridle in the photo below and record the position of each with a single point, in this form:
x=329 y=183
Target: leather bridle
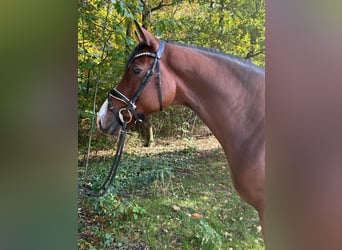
x=131 y=109
x=131 y=106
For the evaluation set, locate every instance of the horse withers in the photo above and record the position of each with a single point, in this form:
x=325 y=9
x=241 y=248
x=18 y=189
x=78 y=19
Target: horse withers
x=226 y=92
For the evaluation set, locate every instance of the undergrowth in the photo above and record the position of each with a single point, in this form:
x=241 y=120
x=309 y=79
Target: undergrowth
x=168 y=200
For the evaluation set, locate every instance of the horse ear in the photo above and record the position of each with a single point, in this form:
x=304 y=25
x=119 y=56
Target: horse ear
x=139 y=33
x=140 y=39
x=145 y=36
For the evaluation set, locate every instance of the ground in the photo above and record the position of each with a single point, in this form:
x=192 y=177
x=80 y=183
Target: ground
x=175 y=195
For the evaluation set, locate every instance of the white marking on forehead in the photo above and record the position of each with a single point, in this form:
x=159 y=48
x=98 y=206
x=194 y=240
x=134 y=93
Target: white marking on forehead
x=103 y=111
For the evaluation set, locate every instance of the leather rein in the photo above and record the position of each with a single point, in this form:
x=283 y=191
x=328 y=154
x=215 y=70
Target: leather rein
x=131 y=109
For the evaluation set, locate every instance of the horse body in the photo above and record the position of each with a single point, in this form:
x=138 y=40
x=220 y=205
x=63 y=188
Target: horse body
x=220 y=90
x=226 y=92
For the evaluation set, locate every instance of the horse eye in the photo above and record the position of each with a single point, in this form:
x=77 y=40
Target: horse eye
x=136 y=70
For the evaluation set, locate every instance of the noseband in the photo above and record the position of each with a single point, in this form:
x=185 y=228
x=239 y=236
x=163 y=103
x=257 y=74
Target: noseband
x=131 y=107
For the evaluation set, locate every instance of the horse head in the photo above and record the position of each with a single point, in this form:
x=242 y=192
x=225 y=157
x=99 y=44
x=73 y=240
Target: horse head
x=141 y=90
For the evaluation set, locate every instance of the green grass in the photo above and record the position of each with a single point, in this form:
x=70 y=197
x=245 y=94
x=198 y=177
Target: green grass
x=170 y=200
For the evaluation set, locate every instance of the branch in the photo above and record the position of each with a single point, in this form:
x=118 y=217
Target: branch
x=160 y=5
x=97 y=87
x=146 y=12
x=250 y=54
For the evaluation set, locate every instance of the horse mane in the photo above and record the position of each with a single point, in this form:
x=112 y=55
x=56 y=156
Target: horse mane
x=220 y=54
x=207 y=51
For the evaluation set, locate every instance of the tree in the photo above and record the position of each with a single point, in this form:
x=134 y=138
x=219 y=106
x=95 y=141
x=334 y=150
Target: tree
x=105 y=39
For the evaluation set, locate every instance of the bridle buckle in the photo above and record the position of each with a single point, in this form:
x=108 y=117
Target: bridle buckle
x=122 y=117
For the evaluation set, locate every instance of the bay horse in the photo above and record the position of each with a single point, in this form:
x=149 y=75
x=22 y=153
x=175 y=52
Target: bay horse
x=226 y=92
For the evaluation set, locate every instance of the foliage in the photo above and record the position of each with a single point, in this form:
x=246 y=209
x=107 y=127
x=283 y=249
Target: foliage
x=105 y=40
x=139 y=206
x=236 y=27
x=192 y=207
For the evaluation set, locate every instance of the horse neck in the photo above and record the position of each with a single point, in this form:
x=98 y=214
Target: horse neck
x=218 y=91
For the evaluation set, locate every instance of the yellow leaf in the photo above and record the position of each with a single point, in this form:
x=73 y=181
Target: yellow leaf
x=197 y=215
x=204 y=198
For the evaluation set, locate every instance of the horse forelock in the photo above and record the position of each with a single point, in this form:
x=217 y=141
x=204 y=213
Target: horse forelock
x=135 y=51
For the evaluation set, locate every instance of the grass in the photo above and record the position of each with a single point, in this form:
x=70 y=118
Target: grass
x=169 y=197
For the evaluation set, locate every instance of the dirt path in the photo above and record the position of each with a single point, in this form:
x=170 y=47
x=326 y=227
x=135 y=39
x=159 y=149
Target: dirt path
x=134 y=145
x=200 y=143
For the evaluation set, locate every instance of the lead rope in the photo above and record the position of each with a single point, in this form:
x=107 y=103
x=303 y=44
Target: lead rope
x=88 y=191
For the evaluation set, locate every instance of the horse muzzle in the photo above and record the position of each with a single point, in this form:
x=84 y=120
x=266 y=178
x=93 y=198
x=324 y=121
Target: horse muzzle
x=106 y=121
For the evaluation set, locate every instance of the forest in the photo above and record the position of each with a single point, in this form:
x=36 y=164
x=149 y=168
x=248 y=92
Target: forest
x=106 y=38
x=163 y=196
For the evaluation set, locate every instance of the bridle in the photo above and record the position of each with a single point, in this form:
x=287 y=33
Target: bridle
x=131 y=106
x=131 y=109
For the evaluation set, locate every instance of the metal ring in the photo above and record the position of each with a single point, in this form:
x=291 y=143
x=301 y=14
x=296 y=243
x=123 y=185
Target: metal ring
x=121 y=117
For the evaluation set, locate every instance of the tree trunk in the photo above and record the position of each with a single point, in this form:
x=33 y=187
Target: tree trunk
x=221 y=20
x=148 y=131
x=145 y=16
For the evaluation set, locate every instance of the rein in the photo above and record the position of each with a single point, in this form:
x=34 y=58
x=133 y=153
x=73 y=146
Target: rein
x=87 y=191
x=131 y=109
